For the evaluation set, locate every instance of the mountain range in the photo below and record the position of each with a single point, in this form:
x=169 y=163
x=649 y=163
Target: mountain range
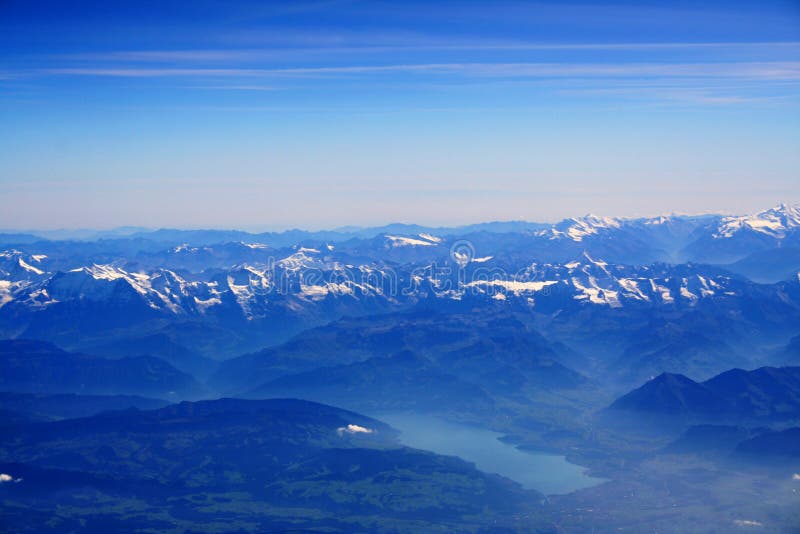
x=170 y=379
x=209 y=299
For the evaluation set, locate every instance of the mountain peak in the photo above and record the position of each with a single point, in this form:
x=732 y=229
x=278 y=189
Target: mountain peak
x=774 y=222
x=668 y=393
x=577 y=228
x=767 y=392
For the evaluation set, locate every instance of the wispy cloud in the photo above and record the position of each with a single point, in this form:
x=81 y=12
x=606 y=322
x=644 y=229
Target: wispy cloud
x=751 y=70
x=336 y=48
x=237 y=87
x=195 y=56
x=688 y=94
x=132 y=72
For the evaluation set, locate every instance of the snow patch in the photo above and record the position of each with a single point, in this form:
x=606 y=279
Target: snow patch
x=203 y=305
x=400 y=241
x=431 y=238
x=595 y=294
x=5 y=292
x=301 y=258
x=513 y=286
x=316 y=292
x=29 y=268
x=632 y=289
x=664 y=292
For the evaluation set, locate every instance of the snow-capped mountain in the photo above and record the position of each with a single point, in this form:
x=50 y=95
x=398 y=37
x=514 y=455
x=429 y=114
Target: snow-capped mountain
x=420 y=240
x=578 y=228
x=594 y=282
x=305 y=279
x=735 y=238
x=248 y=290
x=18 y=265
x=776 y=222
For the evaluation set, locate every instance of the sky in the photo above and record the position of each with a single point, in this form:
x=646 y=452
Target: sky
x=322 y=113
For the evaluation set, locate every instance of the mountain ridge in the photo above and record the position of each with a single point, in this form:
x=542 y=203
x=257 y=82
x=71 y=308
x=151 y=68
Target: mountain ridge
x=763 y=394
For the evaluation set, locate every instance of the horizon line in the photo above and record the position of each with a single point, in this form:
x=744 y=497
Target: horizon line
x=345 y=228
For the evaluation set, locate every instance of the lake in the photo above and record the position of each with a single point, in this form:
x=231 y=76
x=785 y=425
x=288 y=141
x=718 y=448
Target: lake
x=548 y=473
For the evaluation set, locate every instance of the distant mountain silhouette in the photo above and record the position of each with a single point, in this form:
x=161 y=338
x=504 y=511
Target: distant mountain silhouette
x=768 y=393
x=39 y=367
x=404 y=381
x=33 y=407
x=417 y=359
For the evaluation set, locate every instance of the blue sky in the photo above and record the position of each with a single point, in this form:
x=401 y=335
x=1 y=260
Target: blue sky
x=325 y=113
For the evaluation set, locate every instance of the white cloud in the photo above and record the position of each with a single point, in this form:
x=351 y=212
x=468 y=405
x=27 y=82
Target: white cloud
x=5 y=477
x=796 y=476
x=354 y=429
x=747 y=523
